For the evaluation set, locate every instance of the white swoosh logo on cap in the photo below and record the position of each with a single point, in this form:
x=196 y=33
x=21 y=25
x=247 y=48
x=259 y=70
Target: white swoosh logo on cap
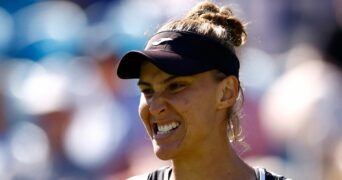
x=161 y=40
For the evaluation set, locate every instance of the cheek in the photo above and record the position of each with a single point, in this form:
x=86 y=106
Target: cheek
x=196 y=106
x=144 y=111
x=187 y=107
x=181 y=104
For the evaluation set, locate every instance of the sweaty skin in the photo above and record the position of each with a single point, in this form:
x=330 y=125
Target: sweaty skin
x=185 y=116
x=188 y=101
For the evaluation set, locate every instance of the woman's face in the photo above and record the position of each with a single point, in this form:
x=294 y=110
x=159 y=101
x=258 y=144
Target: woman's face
x=180 y=113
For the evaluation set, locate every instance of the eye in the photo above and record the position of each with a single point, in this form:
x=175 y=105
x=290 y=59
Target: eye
x=176 y=86
x=148 y=92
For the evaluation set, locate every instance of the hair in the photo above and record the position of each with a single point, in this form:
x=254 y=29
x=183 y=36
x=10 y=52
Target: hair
x=218 y=23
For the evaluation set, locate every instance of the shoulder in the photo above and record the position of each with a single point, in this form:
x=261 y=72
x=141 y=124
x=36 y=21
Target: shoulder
x=158 y=174
x=264 y=174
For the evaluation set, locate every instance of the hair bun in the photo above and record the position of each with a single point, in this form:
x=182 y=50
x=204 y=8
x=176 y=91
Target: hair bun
x=223 y=17
x=203 y=8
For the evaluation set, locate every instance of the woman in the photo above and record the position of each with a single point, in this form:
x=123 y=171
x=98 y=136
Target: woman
x=189 y=78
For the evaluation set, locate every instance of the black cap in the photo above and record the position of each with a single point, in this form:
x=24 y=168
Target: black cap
x=180 y=53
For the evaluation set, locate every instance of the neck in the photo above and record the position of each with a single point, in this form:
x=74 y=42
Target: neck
x=214 y=163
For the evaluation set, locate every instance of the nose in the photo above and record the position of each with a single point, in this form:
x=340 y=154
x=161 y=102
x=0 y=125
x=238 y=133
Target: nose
x=157 y=104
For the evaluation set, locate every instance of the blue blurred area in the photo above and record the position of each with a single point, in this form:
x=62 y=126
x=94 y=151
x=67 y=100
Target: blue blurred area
x=13 y=7
x=65 y=114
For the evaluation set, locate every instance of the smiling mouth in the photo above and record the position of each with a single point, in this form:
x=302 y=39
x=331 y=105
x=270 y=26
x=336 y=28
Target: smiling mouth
x=161 y=129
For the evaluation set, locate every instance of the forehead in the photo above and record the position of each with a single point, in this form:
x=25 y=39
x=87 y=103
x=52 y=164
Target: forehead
x=150 y=73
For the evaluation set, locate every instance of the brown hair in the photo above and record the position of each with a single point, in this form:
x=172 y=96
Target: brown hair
x=218 y=23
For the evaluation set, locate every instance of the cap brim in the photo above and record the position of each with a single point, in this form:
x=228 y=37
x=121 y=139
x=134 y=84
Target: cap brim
x=169 y=62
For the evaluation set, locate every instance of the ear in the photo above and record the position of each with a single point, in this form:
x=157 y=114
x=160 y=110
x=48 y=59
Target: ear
x=228 y=91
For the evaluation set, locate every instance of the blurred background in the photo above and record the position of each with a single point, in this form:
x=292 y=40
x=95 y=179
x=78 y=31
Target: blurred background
x=65 y=115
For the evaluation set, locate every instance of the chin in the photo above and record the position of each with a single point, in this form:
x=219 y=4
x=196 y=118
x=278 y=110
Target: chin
x=165 y=153
x=163 y=157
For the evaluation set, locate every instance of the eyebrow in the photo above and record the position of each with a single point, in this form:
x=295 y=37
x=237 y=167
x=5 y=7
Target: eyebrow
x=140 y=83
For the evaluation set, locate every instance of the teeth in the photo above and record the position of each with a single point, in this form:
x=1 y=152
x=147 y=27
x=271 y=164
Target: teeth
x=162 y=129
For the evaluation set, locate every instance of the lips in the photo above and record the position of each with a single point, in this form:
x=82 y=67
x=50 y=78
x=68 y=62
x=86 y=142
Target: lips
x=164 y=129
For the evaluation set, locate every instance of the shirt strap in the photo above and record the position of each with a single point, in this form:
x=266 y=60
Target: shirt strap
x=260 y=173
